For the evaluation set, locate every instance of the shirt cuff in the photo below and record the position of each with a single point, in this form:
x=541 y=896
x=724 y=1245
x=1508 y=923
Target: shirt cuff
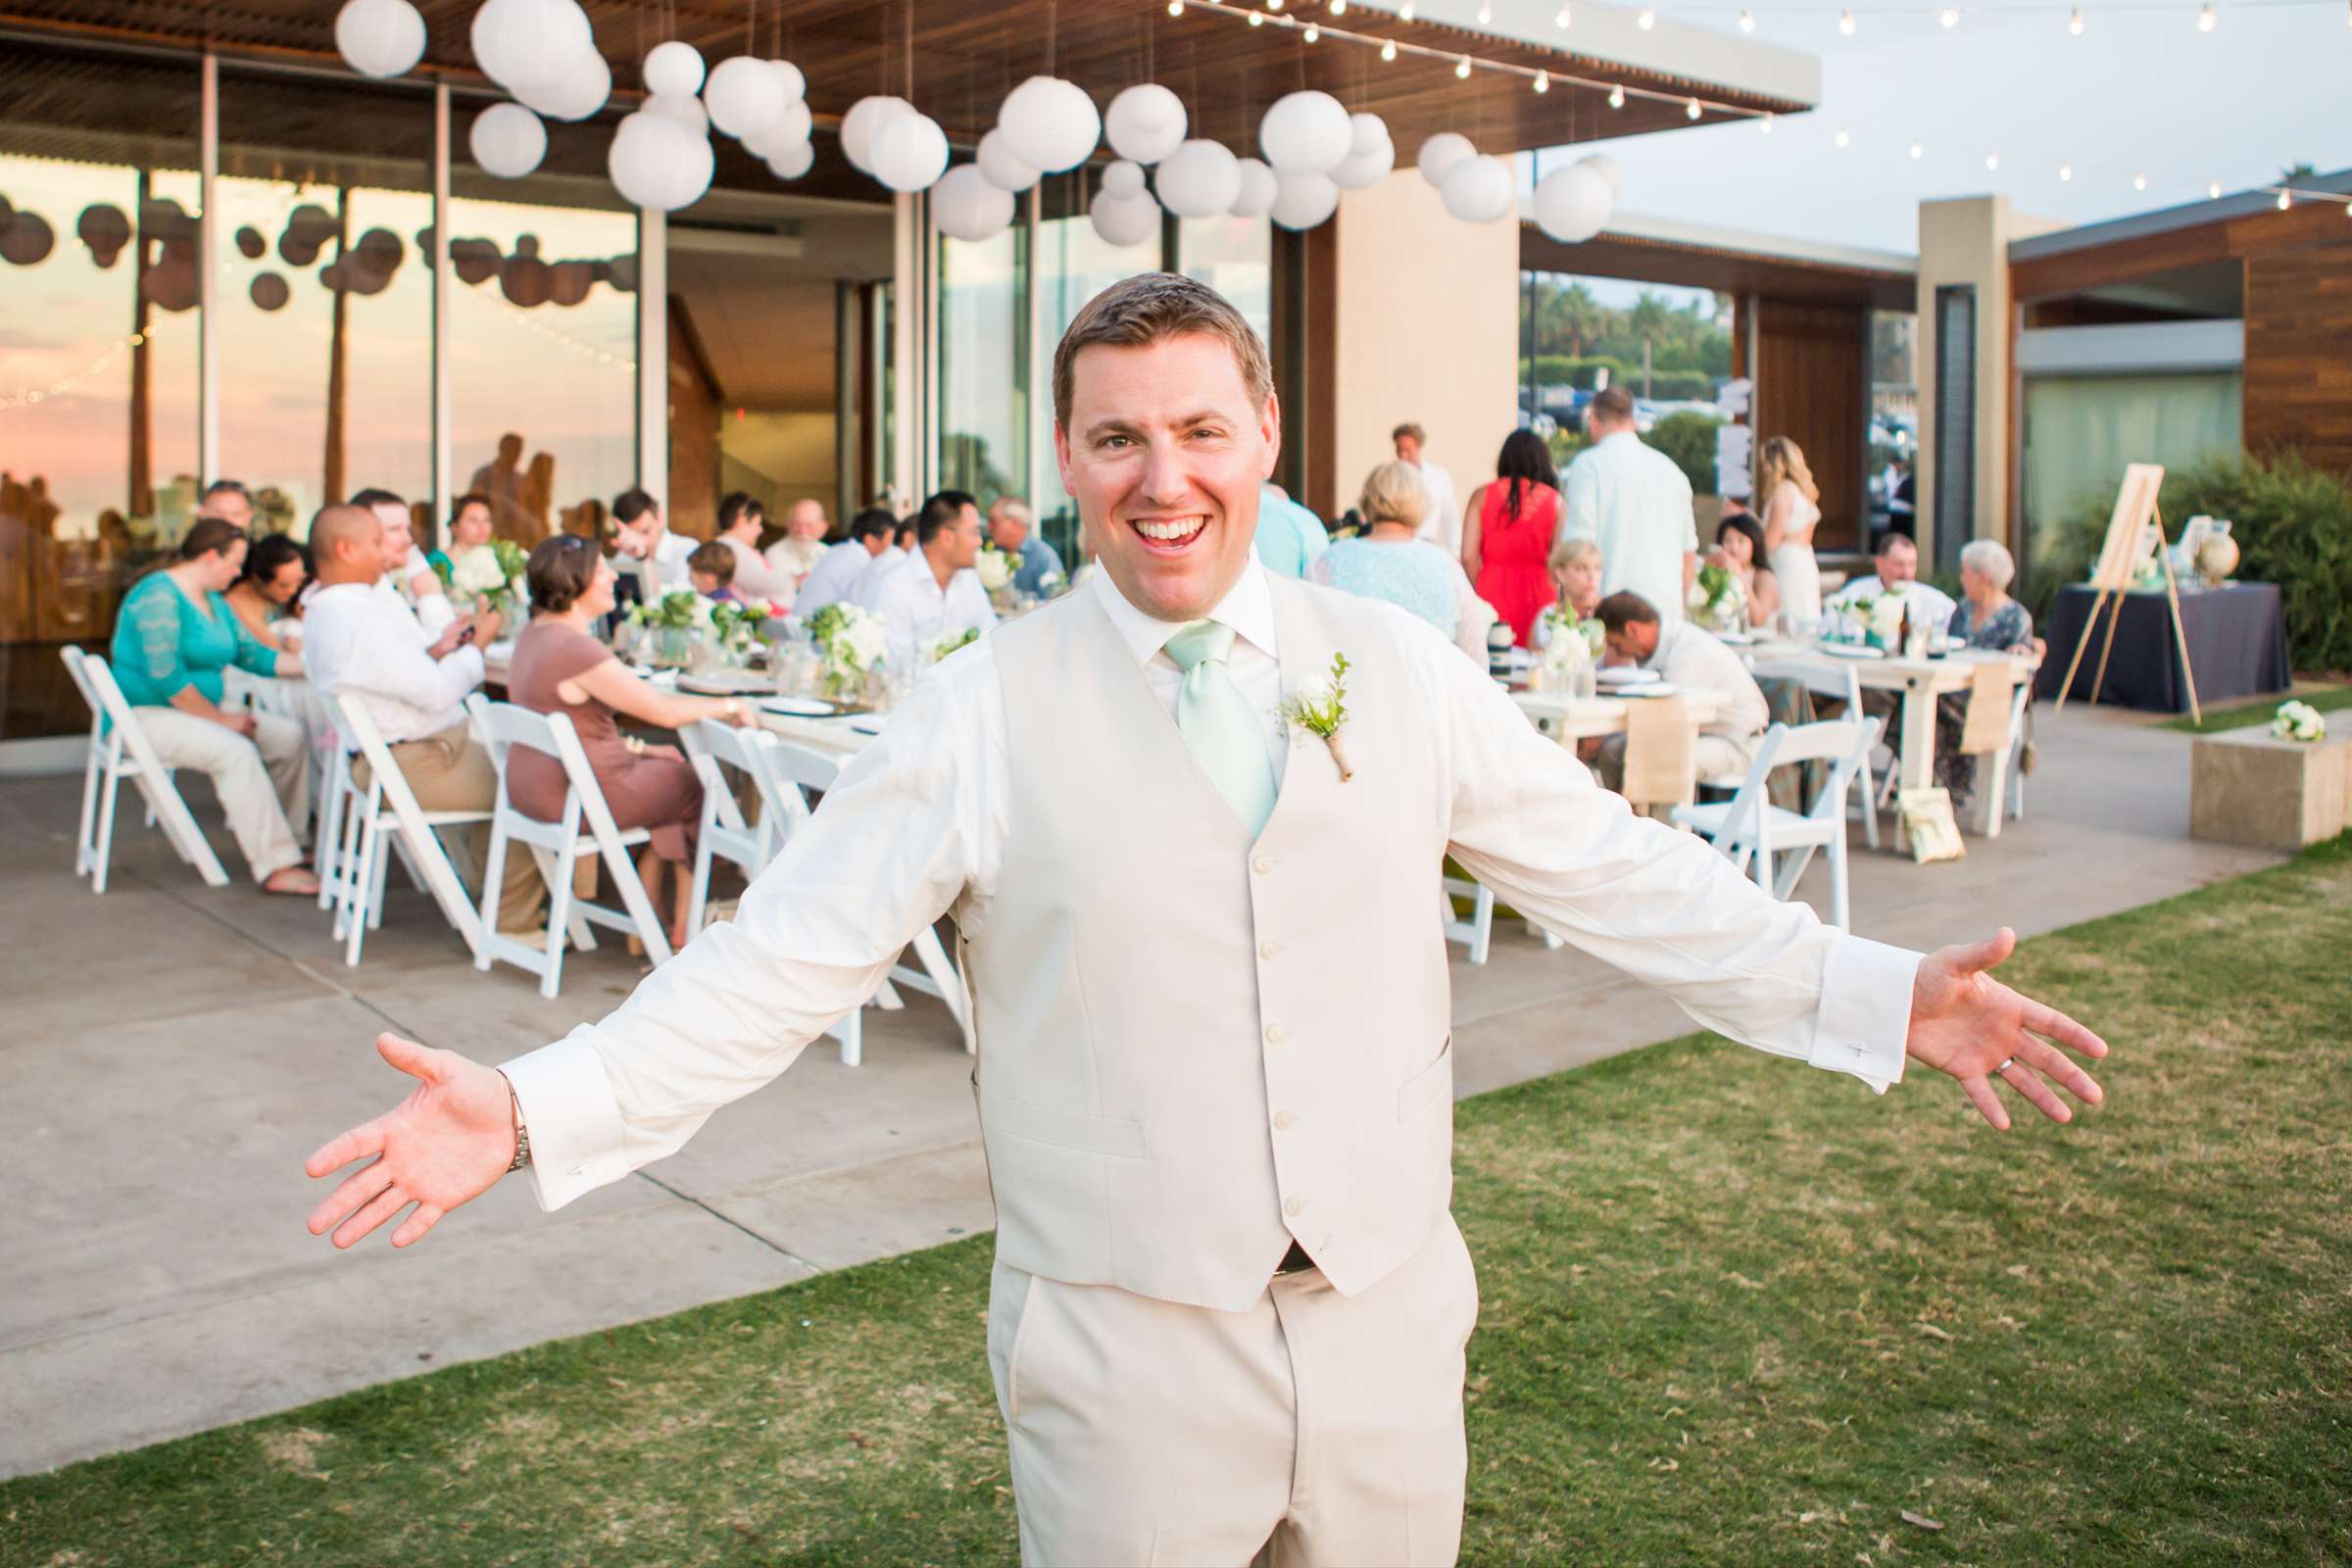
x=578 y=1140
x=1864 y=1023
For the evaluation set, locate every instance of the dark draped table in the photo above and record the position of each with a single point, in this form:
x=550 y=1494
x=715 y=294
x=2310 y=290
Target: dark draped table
x=2237 y=647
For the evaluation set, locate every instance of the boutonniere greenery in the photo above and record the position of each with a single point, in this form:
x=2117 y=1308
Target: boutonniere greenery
x=1323 y=712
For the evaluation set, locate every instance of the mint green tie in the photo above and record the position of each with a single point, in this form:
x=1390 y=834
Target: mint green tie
x=1218 y=724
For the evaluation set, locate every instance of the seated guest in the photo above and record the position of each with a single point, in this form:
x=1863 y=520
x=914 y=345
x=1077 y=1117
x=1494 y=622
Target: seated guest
x=469 y=531
x=1390 y=560
x=230 y=500
x=831 y=580
x=560 y=668
x=1897 y=561
x=364 y=648
x=1012 y=529
x=741 y=520
x=412 y=577
x=1740 y=550
x=275 y=570
x=793 y=556
x=865 y=590
x=1987 y=616
x=712 y=570
x=935 y=593
x=644 y=546
x=1288 y=536
x=1576 y=571
x=1688 y=657
x=174 y=638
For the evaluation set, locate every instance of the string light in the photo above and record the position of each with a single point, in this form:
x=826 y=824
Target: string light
x=1992 y=159
x=2139 y=182
x=1404 y=13
x=2066 y=171
x=1562 y=20
x=1486 y=12
x=1950 y=18
x=1338 y=8
x=1843 y=138
x=2214 y=190
x=1175 y=7
x=25 y=397
x=1617 y=96
x=1647 y=19
x=1766 y=123
x=1461 y=68
x=2074 y=23
x=2205 y=19
x=1919 y=150
x=1313 y=33
x=1543 y=81
x=1691 y=110
x=2286 y=201
x=1388 y=50
x=1845 y=23
x=1258 y=19
x=1747 y=19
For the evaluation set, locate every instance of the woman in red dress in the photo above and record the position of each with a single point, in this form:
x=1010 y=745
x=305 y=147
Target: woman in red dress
x=1507 y=528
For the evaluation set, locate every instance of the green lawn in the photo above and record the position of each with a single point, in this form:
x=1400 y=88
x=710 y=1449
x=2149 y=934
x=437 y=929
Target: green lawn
x=1737 y=1312
x=2326 y=699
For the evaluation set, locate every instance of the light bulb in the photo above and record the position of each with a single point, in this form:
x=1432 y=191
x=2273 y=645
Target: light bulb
x=2214 y=190
x=1992 y=159
x=1647 y=19
x=1845 y=23
x=1313 y=33
x=2286 y=201
x=2205 y=19
x=2074 y=23
x=1617 y=96
x=1404 y=12
x=1543 y=81
x=1765 y=122
x=1486 y=14
x=1950 y=18
x=1843 y=138
x=1691 y=110
x=2139 y=182
x=1175 y=7
x=1338 y=8
x=1563 y=19
x=1747 y=19
x=1462 y=67
x=1387 y=51
x=1919 y=150
x=1258 y=19
x=2066 y=171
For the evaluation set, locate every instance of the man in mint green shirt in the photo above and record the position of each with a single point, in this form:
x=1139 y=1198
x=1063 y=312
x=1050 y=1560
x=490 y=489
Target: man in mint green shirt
x=1288 y=536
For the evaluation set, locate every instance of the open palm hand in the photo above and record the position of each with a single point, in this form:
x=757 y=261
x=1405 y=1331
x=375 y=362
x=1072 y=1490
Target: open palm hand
x=443 y=1145
x=1966 y=1023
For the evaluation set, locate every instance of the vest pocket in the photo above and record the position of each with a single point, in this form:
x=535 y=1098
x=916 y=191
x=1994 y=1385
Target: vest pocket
x=1426 y=1084
x=1091 y=1135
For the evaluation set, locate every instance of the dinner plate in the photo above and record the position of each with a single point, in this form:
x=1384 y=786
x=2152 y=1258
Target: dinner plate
x=666 y=677
x=1737 y=638
x=1653 y=689
x=1850 y=651
x=726 y=682
x=799 y=706
x=869 y=723
x=1624 y=675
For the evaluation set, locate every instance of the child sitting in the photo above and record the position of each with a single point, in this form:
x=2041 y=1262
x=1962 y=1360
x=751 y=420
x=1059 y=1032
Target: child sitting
x=712 y=570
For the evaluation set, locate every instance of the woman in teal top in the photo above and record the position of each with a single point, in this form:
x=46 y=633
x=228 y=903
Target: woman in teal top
x=1388 y=562
x=175 y=637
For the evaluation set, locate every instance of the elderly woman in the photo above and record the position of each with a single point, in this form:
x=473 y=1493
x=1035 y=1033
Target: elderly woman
x=560 y=668
x=174 y=640
x=1739 y=549
x=1386 y=561
x=1987 y=616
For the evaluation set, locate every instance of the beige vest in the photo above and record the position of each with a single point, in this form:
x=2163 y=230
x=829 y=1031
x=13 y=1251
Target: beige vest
x=1195 y=1048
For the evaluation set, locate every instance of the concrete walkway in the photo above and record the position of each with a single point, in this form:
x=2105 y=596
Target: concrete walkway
x=172 y=1052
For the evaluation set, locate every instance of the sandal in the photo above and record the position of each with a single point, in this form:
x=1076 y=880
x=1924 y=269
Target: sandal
x=291 y=881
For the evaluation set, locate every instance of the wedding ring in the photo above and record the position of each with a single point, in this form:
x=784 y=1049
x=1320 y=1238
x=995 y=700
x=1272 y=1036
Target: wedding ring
x=2006 y=1064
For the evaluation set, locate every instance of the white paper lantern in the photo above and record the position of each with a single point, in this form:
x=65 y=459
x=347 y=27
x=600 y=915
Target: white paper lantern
x=578 y=95
x=911 y=152
x=687 y=111
x=531 y=45
x=1257 y=190
x=1365 y=133
x=864 y=121
x=1145 y=122
x=658 y=161
x=1305 y=133
x=673 y=68
x=743 y=96
x=380 y=38
x=1000 y=167
x=790 y=129
x=1440 y=153
x=1611 y=172
x=1367 y=168
x=1125 y=219
x=1123 y=177
x=791 y=163
x=1478 y=190
x=507 y=140
x=1200 y=180
x=1050 y=125
x=1573 y=203
x=1302 y=201
x=788 y=81
x=967 y=207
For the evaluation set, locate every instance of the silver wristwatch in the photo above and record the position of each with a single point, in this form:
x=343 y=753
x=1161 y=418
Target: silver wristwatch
x=522 y=1133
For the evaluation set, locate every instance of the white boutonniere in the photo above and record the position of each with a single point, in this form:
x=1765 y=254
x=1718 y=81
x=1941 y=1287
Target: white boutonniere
x=1323 y=712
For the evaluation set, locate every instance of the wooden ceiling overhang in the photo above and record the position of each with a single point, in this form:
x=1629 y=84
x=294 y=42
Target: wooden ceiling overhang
x=1646 y=260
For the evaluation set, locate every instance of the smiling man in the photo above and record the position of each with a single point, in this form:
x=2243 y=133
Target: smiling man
x=1215 y=1073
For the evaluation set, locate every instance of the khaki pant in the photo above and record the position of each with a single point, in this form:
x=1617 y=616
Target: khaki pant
x=451 y=773
x=264 y=783
x=1312 y=1429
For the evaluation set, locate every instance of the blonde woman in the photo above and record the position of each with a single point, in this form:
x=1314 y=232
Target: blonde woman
x=1389 y=561
x=1791 y=512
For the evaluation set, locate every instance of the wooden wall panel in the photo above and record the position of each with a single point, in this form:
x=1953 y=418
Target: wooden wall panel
x=2298 y=373
x=694 y=413
x=1810 y=376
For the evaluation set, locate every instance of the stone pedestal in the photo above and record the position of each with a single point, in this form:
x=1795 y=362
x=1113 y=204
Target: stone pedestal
x=2246 y=786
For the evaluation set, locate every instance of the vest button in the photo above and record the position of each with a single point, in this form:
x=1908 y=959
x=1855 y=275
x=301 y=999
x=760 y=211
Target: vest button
x=1274 y=1034
x=1294 y=1206
x=1269 y=947
x=1283 y=1121
x=1262 y=864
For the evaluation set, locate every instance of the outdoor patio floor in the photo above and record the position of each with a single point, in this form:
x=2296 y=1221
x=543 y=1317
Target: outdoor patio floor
x=172 y=1052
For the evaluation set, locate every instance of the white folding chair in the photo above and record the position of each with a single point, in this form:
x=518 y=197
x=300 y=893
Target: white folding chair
x=1844 y=684
x=586 y=826
x=338 y=814
x=1478 y=932
x=120 y=750
x=1736 y=826
x=1751 y=826
x=809 y=770
x=1993 y=732
x=389 y=819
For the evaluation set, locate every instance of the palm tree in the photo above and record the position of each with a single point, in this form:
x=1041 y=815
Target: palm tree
x=1574 y=314
x=1651 y=319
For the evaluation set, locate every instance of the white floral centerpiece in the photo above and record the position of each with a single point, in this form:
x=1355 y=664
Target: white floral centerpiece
x=490 y=576
x=852 y=644
x=995 y=567
x=951 y=642
x=1568 y=644
x=1049 y=584
x=2299 y=721
x=1878 y=619
x=1719 y=599
x=737 y=621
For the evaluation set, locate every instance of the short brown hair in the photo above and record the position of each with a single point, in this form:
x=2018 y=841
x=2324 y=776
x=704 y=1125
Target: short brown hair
x=1394 y=493
x=1621 y=609
x=1408 y=427
x=1614 y=404
x=561 y=568
x=1150 y=307
x=714 y=560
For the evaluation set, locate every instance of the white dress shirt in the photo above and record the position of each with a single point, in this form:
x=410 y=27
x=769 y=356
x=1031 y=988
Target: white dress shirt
x=865 y=589
x=1631 y=501
x=920 y=820
x=916 y=613
x=665 y=569
x=755 y=579
x=1691 y=657
x=366 y=644
x=832 y=577
x=1931 y=606
x=434 y=612
x=1442 y=525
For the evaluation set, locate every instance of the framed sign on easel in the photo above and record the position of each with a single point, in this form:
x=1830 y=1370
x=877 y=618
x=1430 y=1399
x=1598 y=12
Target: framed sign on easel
x=2135 y=532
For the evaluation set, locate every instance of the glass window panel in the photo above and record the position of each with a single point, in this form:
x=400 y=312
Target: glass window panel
x=2080 y=433
x=1235 y=256
x=1073 y=264
x=984 y=370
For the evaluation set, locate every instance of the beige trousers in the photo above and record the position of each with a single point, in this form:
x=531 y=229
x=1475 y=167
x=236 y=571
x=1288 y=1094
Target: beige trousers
x=264 y=783
x=451 y=773
x=1313 y=1429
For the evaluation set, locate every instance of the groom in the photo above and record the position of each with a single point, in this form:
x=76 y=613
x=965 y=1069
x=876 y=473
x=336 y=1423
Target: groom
x=1215 y=1077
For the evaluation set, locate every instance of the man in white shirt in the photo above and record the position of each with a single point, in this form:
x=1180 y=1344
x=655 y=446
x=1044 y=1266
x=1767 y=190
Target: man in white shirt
x=837 y=571
x=1898 y=561
x=865 y=589
x=364 y=646
x=1441 y=524
x=795 y=556
x=1229 y=1301
x=407 y=575
x=646 y=548
x=1630 y=500
x=934 y=593
x=1688 y=657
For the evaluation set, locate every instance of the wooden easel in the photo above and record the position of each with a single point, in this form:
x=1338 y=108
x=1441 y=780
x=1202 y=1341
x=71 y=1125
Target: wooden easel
x=2135 y=527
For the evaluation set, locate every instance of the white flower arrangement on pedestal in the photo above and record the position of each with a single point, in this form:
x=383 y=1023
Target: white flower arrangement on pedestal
x=2299 y=721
